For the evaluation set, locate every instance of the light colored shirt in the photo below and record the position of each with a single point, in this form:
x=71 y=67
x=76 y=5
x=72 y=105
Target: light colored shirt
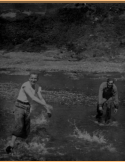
x=23 y=96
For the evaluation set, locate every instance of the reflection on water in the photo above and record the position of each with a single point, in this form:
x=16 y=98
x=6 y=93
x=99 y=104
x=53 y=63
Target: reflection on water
x=72 y=132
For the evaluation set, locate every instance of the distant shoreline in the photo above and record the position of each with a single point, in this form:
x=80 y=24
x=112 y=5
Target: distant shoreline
x=21 y=63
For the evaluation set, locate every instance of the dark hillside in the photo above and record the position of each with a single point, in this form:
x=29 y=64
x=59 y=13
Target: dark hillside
x=85 y=30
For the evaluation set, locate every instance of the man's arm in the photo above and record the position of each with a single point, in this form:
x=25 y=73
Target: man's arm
x=34 y=98
x=101 y=100
x=47 y=106
x=115 y=97
x=40 y=96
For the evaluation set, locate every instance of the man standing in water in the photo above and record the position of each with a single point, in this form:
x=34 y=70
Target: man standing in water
x=108 y=99
x=30 y=91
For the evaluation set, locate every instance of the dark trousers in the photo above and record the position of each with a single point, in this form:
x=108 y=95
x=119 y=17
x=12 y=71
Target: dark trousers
x=22 y=120
x=107 y=107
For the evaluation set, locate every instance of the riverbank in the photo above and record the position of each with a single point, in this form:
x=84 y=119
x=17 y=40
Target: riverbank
x=22 y=62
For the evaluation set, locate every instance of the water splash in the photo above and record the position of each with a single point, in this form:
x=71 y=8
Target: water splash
x=36 y=147
x=111 y=124
x=95 y=137
x=109 y=148
x=39 y=120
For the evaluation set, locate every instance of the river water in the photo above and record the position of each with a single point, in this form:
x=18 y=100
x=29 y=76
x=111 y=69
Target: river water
x=71 y=133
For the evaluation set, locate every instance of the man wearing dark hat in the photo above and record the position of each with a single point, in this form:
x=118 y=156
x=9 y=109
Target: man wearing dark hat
x=108 y=100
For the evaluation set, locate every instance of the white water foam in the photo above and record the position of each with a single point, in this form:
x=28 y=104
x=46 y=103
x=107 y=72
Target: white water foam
x=109 y=148
x=39 y=120
x=97 y=138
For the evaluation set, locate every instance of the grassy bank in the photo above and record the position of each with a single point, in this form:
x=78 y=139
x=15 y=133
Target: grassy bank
x=22 y=63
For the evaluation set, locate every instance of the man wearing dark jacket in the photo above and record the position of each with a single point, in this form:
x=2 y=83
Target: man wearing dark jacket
x=108 y=99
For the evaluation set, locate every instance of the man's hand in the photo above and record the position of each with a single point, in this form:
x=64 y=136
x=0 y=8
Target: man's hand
x=100 y=108
x=48 y=108
x=49 y=115
x=110 y=99
x=115 y=110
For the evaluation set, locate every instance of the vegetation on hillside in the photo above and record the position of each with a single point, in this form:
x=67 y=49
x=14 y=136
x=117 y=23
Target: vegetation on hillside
x=82 y=30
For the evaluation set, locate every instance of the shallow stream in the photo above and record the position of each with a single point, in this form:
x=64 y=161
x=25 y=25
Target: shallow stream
x=71 y=133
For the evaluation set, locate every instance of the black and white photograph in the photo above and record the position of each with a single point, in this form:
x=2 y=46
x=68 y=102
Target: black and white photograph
x=62 y=81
